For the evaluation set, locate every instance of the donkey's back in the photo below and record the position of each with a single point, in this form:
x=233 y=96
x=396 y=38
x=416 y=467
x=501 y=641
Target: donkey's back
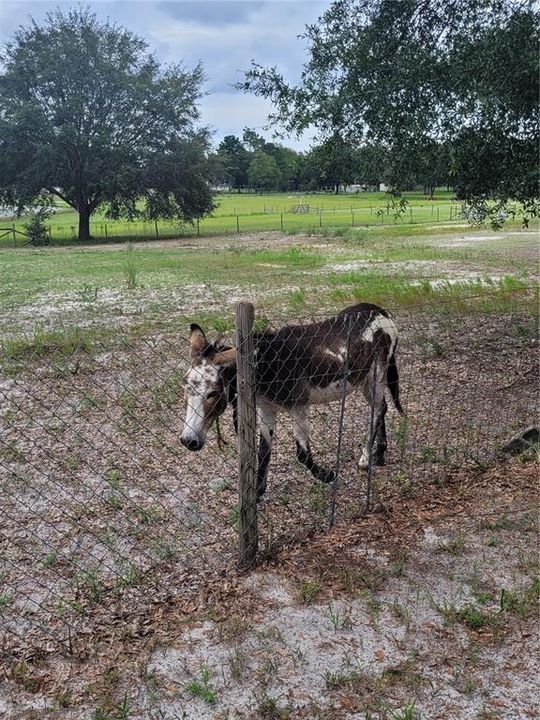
x=302 y=364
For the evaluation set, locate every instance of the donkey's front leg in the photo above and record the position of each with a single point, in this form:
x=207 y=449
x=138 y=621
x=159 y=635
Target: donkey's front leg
x=301 y=431
x=267 y=422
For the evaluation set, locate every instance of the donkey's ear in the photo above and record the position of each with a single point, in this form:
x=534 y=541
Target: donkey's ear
x=224 y=357
x=197 y=340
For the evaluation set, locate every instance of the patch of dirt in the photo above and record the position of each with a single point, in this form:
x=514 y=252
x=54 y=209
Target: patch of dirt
x=254 y=240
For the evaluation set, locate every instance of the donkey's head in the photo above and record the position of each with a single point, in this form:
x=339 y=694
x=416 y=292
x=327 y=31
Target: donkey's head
x=207 y=386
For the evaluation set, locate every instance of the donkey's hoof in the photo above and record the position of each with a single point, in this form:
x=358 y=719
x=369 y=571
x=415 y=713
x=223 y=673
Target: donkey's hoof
x=363 y=463
x=327 y=477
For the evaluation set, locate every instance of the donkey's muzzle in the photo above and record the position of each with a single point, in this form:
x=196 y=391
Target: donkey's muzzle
x=191 y=443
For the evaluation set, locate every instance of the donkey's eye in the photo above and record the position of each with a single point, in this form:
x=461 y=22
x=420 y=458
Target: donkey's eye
x=212 y=394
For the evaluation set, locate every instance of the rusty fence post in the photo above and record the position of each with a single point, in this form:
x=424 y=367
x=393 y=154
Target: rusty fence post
x=247 y=433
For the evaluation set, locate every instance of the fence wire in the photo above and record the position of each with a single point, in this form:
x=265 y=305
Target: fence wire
x=105 y=508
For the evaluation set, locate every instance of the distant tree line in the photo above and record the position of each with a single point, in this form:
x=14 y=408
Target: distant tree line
x=252 y=163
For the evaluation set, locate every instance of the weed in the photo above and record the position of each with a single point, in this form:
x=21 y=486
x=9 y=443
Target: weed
x=455 y=546
x=406 y=713
x=90 y=581
x=297 y=298
x=428 y=454
x=308 y=591
x=373 y=606
x=50 y=559
x=46 y=343
x=121 y=711
x=405 y=484
x=400 y=612
x=232 y=628
x=130 y=267
x=131 y=576
x=113 y=478
x=346 y=678
x=166 y=551
x=268 y=669
x=88 y=294
x=224 y=485
x=521 y=602
x=149 y=515
x=404 y=674
x=238 y=663
x=200 y=687
x=5 y=599
x=354 y=579
x=234 y=514
x=341 y=620
x=398 y=563
x=268 y=708
x=114 y=501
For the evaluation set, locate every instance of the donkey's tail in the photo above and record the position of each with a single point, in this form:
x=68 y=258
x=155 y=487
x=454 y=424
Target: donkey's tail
x=392 y=380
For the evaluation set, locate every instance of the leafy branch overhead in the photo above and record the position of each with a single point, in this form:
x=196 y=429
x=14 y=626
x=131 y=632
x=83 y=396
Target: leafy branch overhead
x=88 y=114
x=412 y=76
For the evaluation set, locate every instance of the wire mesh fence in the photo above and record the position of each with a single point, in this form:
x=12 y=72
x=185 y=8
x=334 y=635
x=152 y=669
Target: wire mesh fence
x=105 y=512
x=270 y=218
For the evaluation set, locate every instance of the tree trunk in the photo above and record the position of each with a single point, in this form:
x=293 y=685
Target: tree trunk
x=84 y=222
x=336 y=188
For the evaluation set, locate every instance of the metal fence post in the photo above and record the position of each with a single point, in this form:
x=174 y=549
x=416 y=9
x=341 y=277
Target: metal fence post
x=247 y=448
x=371 y=440
x=335 y=485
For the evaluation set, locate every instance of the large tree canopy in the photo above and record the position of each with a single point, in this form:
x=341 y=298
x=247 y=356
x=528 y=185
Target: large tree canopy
x=87 y=114
x=408 y=74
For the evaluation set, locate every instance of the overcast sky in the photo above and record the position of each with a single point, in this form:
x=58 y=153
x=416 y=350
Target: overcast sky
x=225 y=35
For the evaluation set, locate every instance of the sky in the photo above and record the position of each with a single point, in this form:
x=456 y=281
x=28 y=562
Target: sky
x=225 y=35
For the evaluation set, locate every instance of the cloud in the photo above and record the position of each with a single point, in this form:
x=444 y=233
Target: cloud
x=225 y=35
x=210 y=12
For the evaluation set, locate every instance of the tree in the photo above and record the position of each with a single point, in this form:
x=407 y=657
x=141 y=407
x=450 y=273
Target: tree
x=263 y=172
x=88 y=115
x=235 y=161
x=408 y=74
x=334 y=160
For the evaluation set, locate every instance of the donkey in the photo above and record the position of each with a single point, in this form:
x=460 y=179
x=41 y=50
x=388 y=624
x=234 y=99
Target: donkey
x=295 y=367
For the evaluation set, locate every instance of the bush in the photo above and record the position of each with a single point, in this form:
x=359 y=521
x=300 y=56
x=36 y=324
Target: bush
x=37 y=230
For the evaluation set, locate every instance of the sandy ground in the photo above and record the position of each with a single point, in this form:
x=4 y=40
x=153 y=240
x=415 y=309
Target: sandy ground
x=100 y=307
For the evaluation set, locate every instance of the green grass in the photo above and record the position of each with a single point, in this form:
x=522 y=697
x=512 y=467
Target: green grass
x=151 y=287
x=253 y=212
x=46 y=343
x=201 y=687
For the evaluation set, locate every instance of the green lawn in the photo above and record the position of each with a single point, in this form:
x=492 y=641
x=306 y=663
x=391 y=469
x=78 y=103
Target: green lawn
x=118 y=291
x=248 y=212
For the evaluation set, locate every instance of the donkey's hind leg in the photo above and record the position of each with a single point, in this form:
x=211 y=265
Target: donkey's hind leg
x=377 y=430
x=267 y=421
x=301 y=432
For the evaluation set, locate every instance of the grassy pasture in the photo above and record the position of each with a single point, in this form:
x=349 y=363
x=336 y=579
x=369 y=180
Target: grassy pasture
x=250 y=212
x=169 y=284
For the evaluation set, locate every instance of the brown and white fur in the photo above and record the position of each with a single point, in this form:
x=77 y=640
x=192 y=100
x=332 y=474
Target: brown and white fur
x=295 y=367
